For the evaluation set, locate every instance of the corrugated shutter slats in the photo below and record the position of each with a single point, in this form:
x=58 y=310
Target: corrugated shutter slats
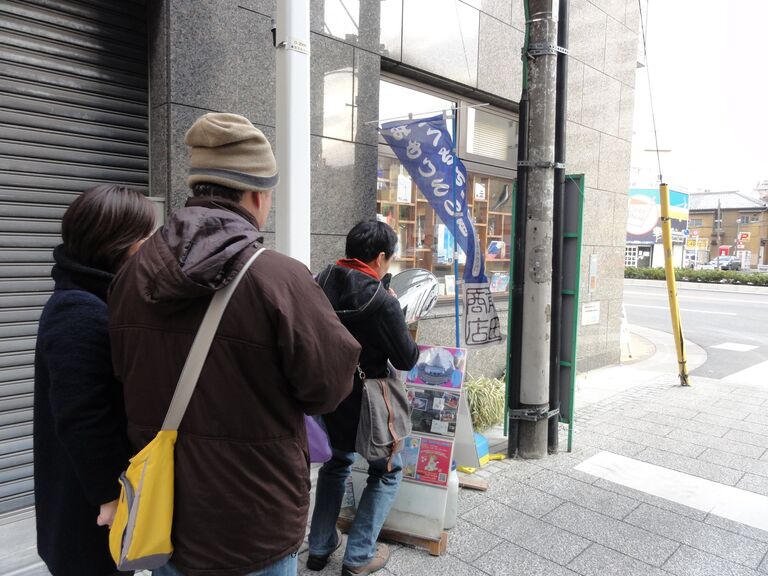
x=73 y=114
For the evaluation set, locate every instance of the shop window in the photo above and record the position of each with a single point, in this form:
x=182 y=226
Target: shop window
x=630 y=256
x=424 y=241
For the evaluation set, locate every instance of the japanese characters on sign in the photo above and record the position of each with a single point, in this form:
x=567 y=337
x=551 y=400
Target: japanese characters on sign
x=425 y=149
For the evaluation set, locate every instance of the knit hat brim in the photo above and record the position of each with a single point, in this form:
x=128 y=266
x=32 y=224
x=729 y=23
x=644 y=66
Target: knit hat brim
x=231 y=179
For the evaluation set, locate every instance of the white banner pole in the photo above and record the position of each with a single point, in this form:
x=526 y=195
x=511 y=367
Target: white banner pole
x=292 y=198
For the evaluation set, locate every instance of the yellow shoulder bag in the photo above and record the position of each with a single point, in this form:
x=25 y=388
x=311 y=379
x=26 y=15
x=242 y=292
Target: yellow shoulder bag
x=140 y=536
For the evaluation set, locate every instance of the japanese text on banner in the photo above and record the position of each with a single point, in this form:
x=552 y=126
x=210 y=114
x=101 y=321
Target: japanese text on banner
x=425 y=149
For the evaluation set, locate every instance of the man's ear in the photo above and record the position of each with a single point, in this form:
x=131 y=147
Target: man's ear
x=255 y=198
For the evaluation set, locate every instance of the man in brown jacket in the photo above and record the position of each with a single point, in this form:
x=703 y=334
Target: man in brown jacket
x=242 y=470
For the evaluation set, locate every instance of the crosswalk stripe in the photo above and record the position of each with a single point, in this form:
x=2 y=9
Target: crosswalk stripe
x=757 y=374
x=721 y=500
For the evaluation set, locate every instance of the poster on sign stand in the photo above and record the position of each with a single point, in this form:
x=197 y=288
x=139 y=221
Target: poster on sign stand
x=442 y=433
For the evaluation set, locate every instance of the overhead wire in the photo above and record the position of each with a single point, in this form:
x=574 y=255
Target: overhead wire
x=650 y=91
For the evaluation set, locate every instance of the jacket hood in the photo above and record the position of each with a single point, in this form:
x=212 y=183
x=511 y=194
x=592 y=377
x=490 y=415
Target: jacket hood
x=354 y=295
x=199 y=250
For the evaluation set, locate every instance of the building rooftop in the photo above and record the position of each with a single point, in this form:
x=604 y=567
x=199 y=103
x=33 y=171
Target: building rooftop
x=729 y=200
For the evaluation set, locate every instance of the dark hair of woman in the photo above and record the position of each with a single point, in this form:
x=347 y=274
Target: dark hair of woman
x=370 y=238
x=103 y=223
x=207 y=189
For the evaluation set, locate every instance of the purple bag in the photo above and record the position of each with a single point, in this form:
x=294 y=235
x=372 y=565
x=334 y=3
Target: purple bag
x=317 y=440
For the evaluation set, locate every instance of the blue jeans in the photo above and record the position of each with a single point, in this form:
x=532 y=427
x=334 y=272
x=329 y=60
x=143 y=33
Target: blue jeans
x=283 y=567
x=372 y=510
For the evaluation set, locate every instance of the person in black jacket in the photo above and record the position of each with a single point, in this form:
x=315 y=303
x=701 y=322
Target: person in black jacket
x=80 y=440
x=373 y=316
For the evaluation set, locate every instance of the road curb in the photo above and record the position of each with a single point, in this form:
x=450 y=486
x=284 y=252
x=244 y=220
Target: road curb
x=700 y=287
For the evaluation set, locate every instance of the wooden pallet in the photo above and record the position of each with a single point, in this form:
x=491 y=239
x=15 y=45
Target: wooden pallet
x=473 y=483
x=434 y=547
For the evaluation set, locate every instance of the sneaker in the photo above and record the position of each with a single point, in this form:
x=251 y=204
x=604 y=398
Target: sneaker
x=317 y=563
x=378 y=562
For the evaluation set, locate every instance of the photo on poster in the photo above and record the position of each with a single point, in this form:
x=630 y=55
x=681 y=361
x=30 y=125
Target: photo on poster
x=434 y=410
x=439 y=366
x=410 y=456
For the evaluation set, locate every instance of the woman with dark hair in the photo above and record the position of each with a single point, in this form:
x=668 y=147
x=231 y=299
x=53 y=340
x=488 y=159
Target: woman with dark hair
x=373 y=316
x=80 y=442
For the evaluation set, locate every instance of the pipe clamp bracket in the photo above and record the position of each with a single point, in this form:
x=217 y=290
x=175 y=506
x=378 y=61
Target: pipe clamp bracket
x=533 y=414
x=541 y=49
x=540 y=164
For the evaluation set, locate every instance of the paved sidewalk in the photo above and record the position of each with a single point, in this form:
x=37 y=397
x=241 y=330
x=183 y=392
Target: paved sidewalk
x=547 y=518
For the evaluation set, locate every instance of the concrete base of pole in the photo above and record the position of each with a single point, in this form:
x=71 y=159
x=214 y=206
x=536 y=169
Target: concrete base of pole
x=532 y=443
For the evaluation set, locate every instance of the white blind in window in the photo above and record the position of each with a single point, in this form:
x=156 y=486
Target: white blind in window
x=490 y=135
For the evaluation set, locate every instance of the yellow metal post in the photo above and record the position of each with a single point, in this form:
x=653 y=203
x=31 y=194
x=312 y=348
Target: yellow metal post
x=669 y=268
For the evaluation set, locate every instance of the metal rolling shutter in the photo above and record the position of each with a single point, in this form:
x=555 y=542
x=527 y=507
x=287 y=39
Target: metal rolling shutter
x=73 y=113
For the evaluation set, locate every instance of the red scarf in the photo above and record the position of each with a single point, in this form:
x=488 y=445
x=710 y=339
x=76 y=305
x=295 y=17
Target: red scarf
x=358 y=265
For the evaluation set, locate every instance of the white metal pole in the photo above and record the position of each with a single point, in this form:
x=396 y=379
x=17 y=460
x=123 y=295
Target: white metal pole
x=292 y=198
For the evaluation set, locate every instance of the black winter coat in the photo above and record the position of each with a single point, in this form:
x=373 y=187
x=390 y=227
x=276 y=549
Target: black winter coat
x=80 y=440
x=375 y=319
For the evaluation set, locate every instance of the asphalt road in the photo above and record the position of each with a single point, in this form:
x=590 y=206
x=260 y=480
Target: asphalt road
x=716 y=321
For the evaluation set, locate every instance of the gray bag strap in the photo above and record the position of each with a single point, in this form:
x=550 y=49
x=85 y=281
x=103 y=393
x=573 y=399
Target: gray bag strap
x=200 y=347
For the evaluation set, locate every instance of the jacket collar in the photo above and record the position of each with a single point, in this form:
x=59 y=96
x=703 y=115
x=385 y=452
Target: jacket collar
x=359 y=265
x=223 y=204
x=70 y=274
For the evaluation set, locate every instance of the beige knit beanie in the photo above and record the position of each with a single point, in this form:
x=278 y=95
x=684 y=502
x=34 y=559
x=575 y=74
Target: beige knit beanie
x=228 y=150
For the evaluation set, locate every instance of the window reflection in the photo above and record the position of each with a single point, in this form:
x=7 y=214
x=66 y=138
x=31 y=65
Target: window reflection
x=424 y=241
x=397 y=101
x=341 y=18
x=391 y=38
x=441 y=36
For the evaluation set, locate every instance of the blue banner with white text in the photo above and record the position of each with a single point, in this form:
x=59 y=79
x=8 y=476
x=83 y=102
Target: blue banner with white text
x=425 y=149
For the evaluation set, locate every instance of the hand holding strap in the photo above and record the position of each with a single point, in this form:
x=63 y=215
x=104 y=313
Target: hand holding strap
x=200 y=348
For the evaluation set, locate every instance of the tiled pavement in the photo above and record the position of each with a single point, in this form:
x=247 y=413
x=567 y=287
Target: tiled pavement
x=547 y=518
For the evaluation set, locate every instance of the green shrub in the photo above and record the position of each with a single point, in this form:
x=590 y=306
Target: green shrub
x=705 y=276
x=486 y=401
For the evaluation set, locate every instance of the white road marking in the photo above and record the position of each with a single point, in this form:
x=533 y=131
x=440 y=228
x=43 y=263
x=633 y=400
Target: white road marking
x=734 y=347
x=759 y=300
x=735 y=504
x=757 y=374
x=681 y=309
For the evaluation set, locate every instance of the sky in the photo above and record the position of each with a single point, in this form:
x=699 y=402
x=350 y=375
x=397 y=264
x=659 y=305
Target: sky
x=708 y=67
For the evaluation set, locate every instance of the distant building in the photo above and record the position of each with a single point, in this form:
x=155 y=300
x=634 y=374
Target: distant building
x=730 y=223
x=762 y=190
